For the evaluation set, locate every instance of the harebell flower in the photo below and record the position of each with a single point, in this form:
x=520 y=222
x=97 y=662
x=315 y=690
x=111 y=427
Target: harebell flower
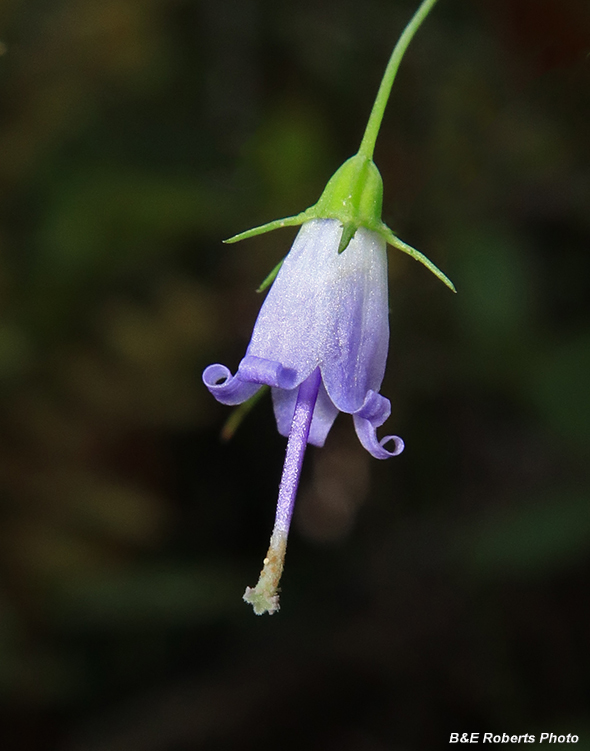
x=321 y=338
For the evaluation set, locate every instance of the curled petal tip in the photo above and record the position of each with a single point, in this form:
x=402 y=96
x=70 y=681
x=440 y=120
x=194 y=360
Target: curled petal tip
x=252 y=374
x=226 y=388
x=216 y=375
x=398 y=444
x=367 y=435
x=369 y=417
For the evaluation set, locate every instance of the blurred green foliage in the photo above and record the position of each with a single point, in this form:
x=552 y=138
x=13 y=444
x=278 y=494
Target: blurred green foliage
x=442 y=591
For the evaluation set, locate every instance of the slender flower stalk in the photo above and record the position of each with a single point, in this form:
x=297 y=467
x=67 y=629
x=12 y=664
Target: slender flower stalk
x=367 y=146
x=322 y=335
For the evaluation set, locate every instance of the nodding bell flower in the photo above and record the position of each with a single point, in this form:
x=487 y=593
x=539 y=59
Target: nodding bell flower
x=325 y=324
x=322 y=335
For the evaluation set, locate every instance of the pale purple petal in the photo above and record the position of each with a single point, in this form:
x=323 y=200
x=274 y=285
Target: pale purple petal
x=283 y=403
x=294 y=321
x=323 y=417
x=373 y=413
x=356 y=352
x=329 y=309
x=252 y=373
x=271 y=372
x=228 y=389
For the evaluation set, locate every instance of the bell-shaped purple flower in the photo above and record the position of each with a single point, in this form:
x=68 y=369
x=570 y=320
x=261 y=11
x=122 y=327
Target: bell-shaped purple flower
x=320 y=342
x=325 y=310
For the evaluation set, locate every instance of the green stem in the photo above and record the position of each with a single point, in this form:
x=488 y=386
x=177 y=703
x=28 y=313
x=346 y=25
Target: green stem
x=368 y=143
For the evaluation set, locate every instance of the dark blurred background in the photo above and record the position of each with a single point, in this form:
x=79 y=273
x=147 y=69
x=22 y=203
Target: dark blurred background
x=443 y=591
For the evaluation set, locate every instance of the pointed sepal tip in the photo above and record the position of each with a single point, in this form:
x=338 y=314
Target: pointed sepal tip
x=393 y=240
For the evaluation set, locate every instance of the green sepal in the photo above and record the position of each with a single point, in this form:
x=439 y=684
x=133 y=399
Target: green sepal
x=271 y=277
x=353 y=196
x=290 y=221
x=348 y=232
x=388 y=235
x=237 y=415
